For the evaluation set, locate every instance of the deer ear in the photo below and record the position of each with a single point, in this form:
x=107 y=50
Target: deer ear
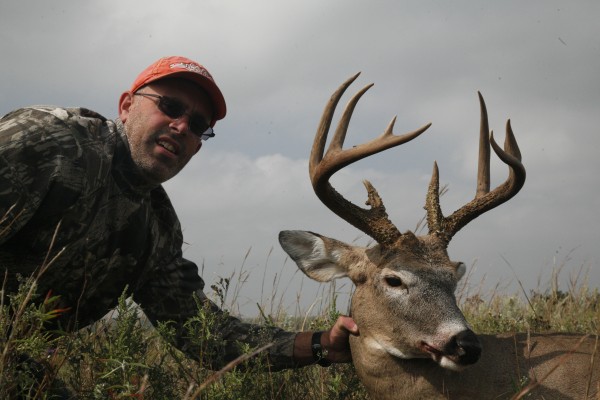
x=317 y=256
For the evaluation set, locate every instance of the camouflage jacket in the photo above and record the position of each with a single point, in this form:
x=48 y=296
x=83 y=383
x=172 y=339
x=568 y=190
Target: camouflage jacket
x=73 y=166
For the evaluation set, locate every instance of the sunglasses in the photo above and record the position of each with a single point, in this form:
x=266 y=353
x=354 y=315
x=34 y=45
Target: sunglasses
x=175 y=109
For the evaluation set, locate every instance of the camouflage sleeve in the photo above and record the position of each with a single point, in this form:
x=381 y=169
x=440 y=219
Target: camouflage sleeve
x=30 y=157
x=203 y=331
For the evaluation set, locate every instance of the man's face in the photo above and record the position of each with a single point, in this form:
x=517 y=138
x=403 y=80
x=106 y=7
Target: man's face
x=161 y=146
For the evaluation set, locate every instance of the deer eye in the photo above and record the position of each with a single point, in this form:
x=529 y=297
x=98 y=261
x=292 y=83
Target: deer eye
x=393 y=281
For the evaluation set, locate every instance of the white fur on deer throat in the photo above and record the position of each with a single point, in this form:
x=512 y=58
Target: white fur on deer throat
x=381 y=344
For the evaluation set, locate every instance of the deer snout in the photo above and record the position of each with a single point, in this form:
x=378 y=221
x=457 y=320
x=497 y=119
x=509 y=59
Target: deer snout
x=464 y=348
x=460 y=351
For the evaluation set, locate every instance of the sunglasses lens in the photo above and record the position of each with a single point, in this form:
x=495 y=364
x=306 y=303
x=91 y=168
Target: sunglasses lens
x=171 y=107
x=200 y=128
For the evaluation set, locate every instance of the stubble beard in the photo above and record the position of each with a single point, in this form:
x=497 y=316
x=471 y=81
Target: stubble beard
x=141 y=145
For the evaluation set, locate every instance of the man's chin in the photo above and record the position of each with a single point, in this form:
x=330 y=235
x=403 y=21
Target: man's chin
x=156 y=175
x=159 y=178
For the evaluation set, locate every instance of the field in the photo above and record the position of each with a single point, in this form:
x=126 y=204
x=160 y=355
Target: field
x=122 y=357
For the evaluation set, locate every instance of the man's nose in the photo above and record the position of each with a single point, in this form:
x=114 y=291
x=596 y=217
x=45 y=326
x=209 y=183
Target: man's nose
x=181 y=124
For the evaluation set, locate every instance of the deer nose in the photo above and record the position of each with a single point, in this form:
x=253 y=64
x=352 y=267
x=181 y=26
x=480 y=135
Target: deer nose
x=467 y=347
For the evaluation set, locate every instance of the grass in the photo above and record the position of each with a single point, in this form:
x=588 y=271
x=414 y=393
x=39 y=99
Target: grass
x=121 y=358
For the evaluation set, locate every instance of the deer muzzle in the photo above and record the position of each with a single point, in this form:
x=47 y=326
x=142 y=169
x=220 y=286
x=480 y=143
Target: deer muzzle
x=461 y=350
x=466 y=346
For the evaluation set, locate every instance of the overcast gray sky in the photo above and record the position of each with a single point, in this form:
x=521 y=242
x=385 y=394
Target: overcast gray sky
x=277 y=63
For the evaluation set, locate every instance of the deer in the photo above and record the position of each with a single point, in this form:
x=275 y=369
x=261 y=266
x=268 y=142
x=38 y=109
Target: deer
x=413 y=341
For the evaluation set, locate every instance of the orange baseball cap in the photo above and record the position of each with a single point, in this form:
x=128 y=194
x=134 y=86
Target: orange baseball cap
x=181 y=67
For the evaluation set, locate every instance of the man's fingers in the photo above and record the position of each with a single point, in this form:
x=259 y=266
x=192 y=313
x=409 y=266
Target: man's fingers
x=348 y=324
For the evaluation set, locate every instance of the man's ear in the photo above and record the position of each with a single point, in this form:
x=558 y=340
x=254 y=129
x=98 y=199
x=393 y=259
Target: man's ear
x=125 y=105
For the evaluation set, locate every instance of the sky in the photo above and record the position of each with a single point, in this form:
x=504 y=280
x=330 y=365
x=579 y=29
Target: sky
x=536 y=63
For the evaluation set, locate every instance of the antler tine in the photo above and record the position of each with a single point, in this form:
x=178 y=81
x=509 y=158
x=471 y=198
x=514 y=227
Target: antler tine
x=484 y=199
x=374 y=221
x=483 y=166
x=435 y=218
x=316 y=153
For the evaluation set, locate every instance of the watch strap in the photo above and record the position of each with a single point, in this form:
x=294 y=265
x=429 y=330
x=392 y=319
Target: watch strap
x=319 y=352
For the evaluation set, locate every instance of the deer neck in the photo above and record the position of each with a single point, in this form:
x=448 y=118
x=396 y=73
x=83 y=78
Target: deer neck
x=388 y=377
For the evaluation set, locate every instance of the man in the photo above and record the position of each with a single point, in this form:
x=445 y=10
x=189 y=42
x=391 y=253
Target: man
x=82 y=206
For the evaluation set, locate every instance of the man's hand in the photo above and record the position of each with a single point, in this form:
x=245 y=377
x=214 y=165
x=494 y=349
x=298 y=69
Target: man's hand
x=334 y=340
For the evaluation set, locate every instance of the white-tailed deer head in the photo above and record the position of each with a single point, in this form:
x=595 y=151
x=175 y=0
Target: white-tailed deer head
x=404 y=301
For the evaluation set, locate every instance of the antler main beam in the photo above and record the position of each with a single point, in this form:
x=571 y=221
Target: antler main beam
x=374 y=221
x=447 y=227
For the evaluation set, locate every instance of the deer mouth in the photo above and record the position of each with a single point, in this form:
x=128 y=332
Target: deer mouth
x=462 y=350
x=443 y=359
x=435 y=353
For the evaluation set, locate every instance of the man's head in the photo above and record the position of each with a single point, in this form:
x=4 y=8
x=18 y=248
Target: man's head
x=171 y=107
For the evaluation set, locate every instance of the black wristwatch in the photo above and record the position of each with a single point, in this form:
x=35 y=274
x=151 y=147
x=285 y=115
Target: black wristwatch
x=319 y=352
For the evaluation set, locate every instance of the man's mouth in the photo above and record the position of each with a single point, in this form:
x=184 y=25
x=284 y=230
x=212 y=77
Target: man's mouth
x=168 y=145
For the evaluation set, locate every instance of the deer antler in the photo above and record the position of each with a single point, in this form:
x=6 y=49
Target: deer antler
x=374 y=221
x=446 y=227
